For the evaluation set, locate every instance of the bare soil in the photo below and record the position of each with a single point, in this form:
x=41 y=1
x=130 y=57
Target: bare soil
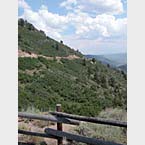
x=33 y=55
x=39 y=126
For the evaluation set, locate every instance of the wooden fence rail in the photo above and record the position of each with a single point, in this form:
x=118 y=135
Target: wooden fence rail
x=91 y=119
x=36 y=134
x=48 y=118
x=78 y=138
x=60 y=118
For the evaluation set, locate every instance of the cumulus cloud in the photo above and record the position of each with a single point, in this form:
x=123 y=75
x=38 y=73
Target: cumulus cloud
x=87 y=30
x=52 y=24
x=103 y=25
x=95 y=6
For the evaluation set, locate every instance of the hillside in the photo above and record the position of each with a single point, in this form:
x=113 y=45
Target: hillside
x=118 y=58
x=114 y=60
x=103 y=60
x=82 y=86
x=123 y=67
x=36 y=41
x=118 y=61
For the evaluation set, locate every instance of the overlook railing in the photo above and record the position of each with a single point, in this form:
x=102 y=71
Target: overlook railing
x=65 y=118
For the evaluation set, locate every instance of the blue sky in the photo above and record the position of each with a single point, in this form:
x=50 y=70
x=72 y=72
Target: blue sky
x=91 y=26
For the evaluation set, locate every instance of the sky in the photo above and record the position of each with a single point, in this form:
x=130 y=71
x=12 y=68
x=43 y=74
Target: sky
x=90 y=26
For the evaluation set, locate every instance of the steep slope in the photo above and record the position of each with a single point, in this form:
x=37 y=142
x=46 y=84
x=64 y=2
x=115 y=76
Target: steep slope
x=33 y=40
x=82 y=86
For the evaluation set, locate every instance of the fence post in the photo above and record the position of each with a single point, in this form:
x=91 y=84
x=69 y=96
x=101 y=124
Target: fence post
x=59 y=125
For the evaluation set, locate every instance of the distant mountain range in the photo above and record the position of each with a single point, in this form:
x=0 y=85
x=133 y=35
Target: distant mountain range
x=118 y=60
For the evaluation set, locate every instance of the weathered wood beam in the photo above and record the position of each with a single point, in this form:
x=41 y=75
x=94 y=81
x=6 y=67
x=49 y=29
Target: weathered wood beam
x=36 y=134
x=78 y=138
x=59 y=125
x=90 y=119
x=48 y=118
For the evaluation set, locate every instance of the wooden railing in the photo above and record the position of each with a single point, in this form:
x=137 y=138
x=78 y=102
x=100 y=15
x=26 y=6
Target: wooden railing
x=65 y=118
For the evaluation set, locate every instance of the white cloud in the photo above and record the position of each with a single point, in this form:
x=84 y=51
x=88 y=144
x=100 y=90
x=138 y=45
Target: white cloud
x=23 y=4
x=103 y=25
x=95 y=6
x=87 y=31
x=96 y=46
x=51 y=19
x=69 y=4
x=114 y=26
x=52 y=24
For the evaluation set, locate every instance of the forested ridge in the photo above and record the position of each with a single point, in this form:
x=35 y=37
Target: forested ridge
x=83 y=86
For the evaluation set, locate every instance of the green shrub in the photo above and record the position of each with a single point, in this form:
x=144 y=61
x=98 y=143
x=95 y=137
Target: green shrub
x=28 y=63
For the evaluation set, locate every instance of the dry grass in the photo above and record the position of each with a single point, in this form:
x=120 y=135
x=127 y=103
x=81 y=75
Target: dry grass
x=107 y=133
x=114 y=114
x=34 y=126
x=29 y=139
x=103 y=132
x=32 y=109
